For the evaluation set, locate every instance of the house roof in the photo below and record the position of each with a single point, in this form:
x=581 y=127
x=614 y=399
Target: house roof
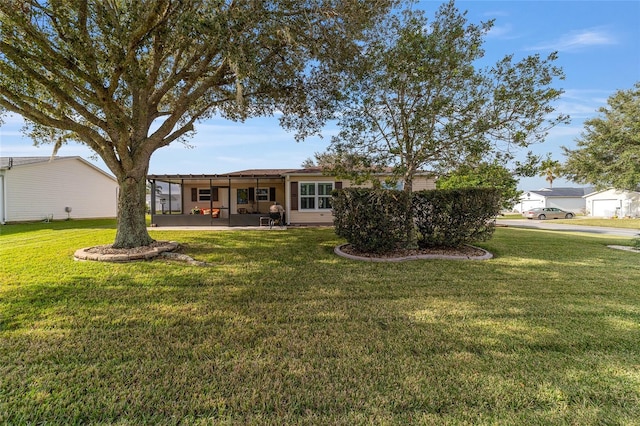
x=562 y=192
x=244 y=174
x=259 y=173
x=256 y=173
x=594 y=192
x=7 y=163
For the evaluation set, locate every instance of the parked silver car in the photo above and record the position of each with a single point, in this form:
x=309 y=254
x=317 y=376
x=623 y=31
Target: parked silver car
x=543 y=213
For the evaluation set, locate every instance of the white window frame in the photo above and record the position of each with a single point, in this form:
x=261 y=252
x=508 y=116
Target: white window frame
x=315 y=196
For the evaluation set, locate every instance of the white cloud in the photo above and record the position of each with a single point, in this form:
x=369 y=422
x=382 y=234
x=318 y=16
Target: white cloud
x=500 y=31
x=576 y=40
x=494 y=13
x=582 y=103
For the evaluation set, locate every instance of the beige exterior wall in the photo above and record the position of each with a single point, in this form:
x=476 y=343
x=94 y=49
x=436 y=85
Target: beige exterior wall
x=43 y=190
x=422 y=183
x=311 y=218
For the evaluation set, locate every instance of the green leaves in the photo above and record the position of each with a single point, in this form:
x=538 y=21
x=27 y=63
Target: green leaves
x=608 y=152
x=418 y=101
x=129 y=77
x=378 y=221
x=484 y=175
x=550 y=169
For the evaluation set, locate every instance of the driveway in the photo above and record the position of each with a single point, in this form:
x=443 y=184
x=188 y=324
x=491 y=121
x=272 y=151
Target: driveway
x=549 y=225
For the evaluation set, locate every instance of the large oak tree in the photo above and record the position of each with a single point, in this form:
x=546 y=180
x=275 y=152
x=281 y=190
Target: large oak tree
x=608 y=151
x=422 y=99
x=129 y=77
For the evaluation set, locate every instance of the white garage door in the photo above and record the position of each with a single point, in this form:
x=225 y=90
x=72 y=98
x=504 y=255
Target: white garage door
x=605 y=208
x=529 y=204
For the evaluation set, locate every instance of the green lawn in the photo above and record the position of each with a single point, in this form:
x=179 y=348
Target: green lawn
x=279 y=330
x=608 y=223
x=589 y=221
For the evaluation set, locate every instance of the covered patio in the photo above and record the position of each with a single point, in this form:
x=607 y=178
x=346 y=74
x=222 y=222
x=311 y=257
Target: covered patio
x=234 y=199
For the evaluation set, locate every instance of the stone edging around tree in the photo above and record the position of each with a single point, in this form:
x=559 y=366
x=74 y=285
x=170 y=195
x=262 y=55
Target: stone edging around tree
x=487 y=255
x=103 y=254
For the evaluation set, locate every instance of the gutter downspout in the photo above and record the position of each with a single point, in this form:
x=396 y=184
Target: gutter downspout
x=3 y=205
x=287 y=199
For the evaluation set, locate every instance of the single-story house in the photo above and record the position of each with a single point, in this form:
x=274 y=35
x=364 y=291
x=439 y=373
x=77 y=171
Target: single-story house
x=241 y=198
x=45 y=188
x=570 y=199
x=613 y=203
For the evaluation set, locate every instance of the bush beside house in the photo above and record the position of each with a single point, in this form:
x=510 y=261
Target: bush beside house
x=378 y=220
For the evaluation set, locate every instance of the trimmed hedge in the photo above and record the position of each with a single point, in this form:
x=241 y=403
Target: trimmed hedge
x=373 y=221
x=378 y=220
x=452 y=217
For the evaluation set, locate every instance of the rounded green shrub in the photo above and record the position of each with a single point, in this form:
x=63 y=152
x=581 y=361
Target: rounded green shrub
x=372 y=220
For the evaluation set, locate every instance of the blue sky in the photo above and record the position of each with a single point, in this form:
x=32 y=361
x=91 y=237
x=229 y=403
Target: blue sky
x=599 y=49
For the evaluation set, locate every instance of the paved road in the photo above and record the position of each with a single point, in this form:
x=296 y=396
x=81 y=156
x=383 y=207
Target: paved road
x=549 y=225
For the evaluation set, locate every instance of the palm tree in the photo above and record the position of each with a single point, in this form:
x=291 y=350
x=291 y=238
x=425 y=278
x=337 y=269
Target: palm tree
x=550 y=170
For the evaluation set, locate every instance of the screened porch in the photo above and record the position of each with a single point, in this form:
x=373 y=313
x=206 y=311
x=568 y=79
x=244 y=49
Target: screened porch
x=237 y=199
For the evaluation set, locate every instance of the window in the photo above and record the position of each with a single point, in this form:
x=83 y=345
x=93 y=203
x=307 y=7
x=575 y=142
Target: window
x=397 y=185
x=315 y=195
x=262 y=194
x=204 y=194
x=243 y=196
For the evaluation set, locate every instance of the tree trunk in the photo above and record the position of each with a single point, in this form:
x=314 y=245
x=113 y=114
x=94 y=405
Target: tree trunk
x=412 y=235
x=132 y=224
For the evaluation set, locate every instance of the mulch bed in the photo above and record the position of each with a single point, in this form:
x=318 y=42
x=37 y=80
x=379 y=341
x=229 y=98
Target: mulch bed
x=462 y=251
x=106 y=253
x=108 y=249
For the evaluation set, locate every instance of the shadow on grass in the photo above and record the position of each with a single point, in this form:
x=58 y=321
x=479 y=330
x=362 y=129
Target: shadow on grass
x=280 y=330
x=213 y=347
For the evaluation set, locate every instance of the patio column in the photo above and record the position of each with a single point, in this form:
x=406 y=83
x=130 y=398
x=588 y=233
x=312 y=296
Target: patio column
x=210 y=194
x=152 y=201
x=181 y=196
x=287 y=199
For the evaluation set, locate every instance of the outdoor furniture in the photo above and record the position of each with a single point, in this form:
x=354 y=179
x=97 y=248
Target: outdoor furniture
x=215 y=213
x=276 y=218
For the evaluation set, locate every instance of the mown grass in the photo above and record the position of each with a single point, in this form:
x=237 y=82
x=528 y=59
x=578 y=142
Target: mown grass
x=608 y=223
x=279 y=330
x=589 y=221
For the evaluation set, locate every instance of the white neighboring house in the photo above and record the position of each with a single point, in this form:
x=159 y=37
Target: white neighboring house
x=41 y=188
x=164 y=201
x=569 y=199
x=613 y=203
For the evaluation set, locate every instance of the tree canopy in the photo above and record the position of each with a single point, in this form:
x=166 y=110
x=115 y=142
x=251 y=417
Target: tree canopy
x=608 y=151
x=484 y=175
x=418 y=99
x=129 y=77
